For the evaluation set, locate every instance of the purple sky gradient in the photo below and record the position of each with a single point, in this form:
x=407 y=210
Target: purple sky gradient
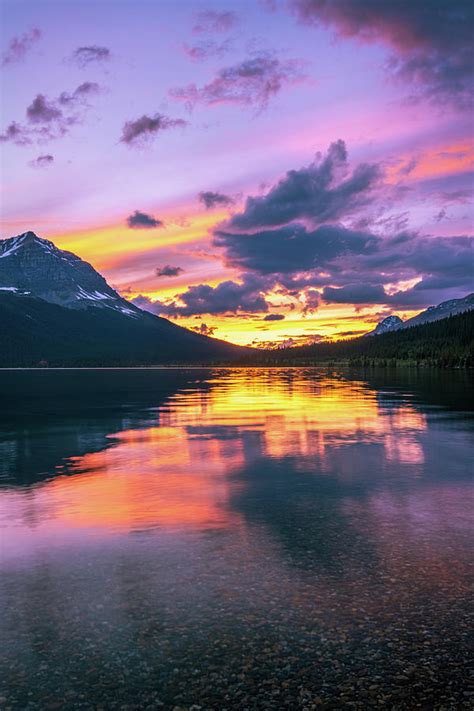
x=227 y=97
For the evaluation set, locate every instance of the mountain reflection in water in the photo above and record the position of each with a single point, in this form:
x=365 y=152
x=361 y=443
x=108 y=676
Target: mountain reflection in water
x=287 y=523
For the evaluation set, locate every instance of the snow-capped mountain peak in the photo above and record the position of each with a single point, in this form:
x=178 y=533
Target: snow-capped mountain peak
x=30 y=264
x=390 y=323
x=432 y=313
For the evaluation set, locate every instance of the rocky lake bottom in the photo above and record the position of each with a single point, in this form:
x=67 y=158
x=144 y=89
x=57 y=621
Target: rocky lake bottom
x=210 y=539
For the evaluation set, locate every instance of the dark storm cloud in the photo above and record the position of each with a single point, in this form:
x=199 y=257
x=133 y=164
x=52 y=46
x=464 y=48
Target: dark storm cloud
x=142 y=220
x=350 y=265
x=20 y=46
x=332 y=264
x=319 y=192
x=212 y=199
x=293 y=248
x=451 y=256
x=168 y=271
x=143 y=129
x=42 y=161
x=353 y=266
x=251 y=83
x=444 y=265
x=215 y=21
x=355 y=294
x=83 y=56
x=432 y=41
x=274 y=317
x=226 y=297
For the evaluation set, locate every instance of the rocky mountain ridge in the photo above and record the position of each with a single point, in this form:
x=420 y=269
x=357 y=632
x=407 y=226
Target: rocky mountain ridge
x=56 y=309
x=432 y=313
x=32 y=265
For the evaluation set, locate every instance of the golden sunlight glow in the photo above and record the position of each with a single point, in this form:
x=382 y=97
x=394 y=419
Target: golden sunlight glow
x=128 y=259
x=178 y=475
x=109 y=247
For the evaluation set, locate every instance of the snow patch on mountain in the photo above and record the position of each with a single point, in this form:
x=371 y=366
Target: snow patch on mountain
x=432 y=313
x=30 y=264
x=390 y=323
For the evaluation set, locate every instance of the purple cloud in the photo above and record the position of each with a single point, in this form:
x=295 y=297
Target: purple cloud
x=251 y=83
x=431 y=41
x=206 y=49
x=293 y=237
x=20 y=46
x=168 y=271
x=204 y=329
x=143 y=129
x=355 y=294
x=87 y=88
x=43 y=111
x=319 y=192
x=212 y=199
x=15 y=133
x=274 y=317
x=142 y=220
x=215 y=21
x=42 y=161
x=292 y=248
x=227 y=297
x=83 y=56
x=49 y=119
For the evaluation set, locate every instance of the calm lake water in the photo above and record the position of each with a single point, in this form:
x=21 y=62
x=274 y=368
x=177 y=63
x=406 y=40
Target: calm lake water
x=235 y=539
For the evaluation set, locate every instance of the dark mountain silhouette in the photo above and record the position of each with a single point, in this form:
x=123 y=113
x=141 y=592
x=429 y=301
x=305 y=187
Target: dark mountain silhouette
x=447 y=342
x=56 y=309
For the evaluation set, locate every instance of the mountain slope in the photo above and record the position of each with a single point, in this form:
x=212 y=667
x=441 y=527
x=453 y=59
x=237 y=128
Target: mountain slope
x=56 y=308
x=443 y=310
x=447 y=342
x=36 y=266
x=432 y=313
x=33 y=331
x=390 y=323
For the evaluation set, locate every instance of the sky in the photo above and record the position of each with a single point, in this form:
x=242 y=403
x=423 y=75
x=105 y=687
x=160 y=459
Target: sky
x=267 y=172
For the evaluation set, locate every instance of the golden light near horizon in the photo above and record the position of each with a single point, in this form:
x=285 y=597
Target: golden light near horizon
x=133 y=277
x=147 y=480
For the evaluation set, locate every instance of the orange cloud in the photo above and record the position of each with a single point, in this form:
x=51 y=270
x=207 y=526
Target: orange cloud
x=435 y=162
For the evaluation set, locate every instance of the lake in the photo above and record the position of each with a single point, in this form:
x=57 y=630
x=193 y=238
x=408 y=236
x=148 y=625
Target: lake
x=286 y=538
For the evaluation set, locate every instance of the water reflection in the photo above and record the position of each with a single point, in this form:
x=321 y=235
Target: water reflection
x=328 y=512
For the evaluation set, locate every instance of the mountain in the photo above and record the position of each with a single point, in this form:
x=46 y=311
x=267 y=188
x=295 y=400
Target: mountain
x=443 y=310
x=36 y=266
x=391 y=323
x=57 y=309
x=432 y=313
x=447 y=342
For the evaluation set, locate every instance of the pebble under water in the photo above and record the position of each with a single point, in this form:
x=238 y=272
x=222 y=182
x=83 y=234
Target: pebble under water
x=211 y=539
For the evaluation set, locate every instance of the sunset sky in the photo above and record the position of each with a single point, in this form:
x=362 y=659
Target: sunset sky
x=263 y=171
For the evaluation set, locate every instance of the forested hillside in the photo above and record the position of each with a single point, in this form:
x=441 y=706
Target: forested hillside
x=445 y=343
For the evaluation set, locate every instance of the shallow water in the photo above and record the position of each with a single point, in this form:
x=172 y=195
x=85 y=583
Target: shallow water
x=281 y=538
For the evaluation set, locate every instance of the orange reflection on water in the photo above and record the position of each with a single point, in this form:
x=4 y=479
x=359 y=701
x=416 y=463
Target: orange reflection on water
x=177 y=473
x=152 y=478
